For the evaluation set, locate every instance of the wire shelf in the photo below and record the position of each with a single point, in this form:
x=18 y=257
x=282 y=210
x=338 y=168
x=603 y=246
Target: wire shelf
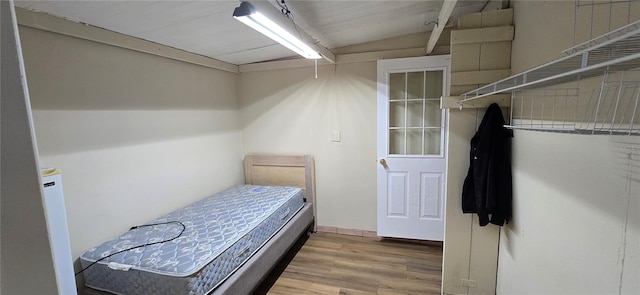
x=544 y=110
x=612 y=108
x=615 y=51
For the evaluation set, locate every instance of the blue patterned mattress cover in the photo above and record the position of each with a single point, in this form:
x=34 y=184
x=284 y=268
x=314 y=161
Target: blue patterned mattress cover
x=240 y=219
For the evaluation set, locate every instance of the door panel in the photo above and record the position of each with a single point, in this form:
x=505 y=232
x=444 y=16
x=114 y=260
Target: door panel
x=397 y=206
x=430 y=192
x=412 y=136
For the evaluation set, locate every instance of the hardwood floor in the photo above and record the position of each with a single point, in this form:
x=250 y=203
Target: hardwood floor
x=335 y=264
x=340 y=264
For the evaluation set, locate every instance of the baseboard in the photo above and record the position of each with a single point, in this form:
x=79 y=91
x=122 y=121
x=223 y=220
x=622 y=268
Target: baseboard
x=370 y=234
x=347 y=231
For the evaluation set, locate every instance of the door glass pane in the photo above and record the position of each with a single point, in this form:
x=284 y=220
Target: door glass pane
x=397 y=86
x=414 y=141
x=396 y=113
x=433 y=113
x=415 y=111
x=415 y=85
x=396 y=141
x=432 y=139
x=415 y=116
x=434 y=84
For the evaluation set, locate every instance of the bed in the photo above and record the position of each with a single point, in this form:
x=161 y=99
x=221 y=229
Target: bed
x=224 y=244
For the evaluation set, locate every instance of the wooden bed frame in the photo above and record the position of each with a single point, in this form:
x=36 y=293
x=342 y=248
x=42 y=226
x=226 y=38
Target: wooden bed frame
x=283 y=170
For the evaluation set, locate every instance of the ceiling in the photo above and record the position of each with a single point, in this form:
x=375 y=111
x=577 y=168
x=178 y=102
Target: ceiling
x=208 y=28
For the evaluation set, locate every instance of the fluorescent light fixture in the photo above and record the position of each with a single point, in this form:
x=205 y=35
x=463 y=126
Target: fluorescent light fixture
x=266 y=19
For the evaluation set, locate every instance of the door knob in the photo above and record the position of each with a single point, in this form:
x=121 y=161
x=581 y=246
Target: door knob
x=383 y=162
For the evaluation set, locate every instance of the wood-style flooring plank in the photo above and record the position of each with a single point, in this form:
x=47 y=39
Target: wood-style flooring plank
x=334 y=264
x=337 y=264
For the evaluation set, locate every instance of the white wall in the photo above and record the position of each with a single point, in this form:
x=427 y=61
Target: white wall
x=27 y=264
x=575 y=227
x=289 y=111
x=136 y=135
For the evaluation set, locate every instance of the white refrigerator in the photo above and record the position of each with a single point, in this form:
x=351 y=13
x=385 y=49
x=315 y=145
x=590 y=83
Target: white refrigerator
x=58 y=228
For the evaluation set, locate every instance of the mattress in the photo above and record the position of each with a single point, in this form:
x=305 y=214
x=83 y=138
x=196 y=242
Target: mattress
x=221 y=233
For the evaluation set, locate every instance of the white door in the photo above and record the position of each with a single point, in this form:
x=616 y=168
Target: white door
x=412 y=140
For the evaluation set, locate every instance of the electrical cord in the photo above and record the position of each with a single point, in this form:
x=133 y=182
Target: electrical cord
x=140 y=246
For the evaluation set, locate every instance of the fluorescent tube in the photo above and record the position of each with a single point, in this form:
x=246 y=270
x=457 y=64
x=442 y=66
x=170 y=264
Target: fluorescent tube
x=248 y=14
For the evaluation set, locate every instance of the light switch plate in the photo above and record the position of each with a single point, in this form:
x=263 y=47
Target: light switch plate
x=335 y=135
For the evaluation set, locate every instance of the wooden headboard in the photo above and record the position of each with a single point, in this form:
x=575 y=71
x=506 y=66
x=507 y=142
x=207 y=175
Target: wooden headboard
x=284 y=170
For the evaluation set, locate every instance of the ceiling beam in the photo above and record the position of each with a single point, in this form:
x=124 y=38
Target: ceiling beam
x=443 y=18
x=348 y=58
x=496 y=5
x=326 y=53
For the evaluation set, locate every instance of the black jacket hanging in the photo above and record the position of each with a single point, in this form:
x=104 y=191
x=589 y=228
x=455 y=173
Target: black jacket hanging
x=487 y=188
